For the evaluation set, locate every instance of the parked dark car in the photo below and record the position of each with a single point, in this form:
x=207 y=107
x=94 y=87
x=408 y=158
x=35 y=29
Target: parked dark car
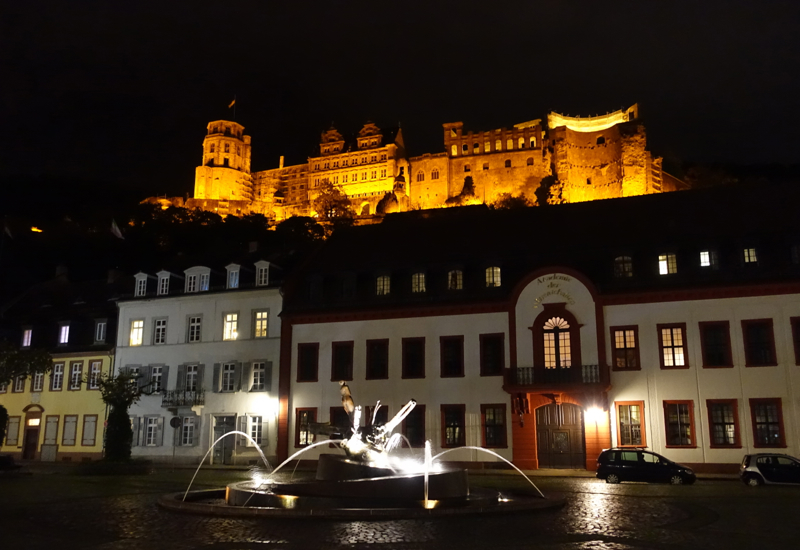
x=625 y=464
x=770 y=469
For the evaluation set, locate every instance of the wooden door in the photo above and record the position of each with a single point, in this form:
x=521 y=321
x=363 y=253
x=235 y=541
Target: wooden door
x=30 y=444
x=559 y=436
x=223 y=450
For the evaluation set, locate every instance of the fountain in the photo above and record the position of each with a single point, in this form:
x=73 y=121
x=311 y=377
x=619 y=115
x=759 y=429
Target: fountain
x=370 y=480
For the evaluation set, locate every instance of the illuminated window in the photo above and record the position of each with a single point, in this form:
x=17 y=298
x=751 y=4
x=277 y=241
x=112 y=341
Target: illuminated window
x=476 y=148
x=487 y=146
x=708 y=258
x=260 y=324
x=63 y=334
x=672 y=342
x=453 y=423
x=750 y=256
x=137 y=332
x=57 y=377
x=508 y=163
x=455 y=280
x=498 y=145
x=492 y=277
x=667 y=264
x=383 y=285
x=230 y=330
x=623 y=266
x=465 y=148
x=454 y=150
x=533 y=142
x=304 y=419
x=194 y=328
x=521 y=143
x=420 y=176
x=435 y=174
x=630 y=424
x=509 y=144
x=625 y=348
x=418 y=282
x=26 y=337
x=557 y=350
x=679 y=423
x=160 y=331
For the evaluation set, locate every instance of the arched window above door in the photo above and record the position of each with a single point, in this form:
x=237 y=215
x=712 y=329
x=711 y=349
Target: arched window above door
x=557 y=344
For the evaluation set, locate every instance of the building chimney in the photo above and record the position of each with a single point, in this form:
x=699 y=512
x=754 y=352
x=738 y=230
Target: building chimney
x=281 y=162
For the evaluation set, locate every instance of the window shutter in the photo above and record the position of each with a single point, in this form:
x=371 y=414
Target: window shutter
x=264 y=432
x=140 y=430
x=247 y=376
x=198 y=429
x=144 y=378
x=242 y=427
x=180 y=385
x=164 y=377
x=201 y=381
x=123 y=371
x=239 y=375
x=268 y=376
x=215 y=383
x=160 y=434
x=135 y=430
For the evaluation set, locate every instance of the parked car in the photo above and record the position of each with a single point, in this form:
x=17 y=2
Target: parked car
x=626 y=464
x=769 y=468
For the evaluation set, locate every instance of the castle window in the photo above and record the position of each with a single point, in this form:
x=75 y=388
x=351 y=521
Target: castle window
x=498 y=145
x=521 y=143
x=344 y=178
x=238 y=150
x=327 y=165
x=435 y=174
x=509 y=144
x=363 y=175
x=383 y=285
x=476 y=148
x=623 y=266
x=601 y=140
x=533 y=142
x=667 y=264
x=529 y=161
x=487 y=146
x=420 y=176
x=485 y=165
x=492 y=277
x=227 y=147
x=383 y=156
x=344 y=162
x=383 y=173
x=508 y=163
x=418 y=283
x=225 y=162
x=455 y=280
x=212 y=148
x=335 y=179
x=374 y=142
x=588 y=181
x=374 y=174
x=326 y=149
x=466 y=168
x=336 y=164
x=454 y=150
x=374 y=158
x=363 y=160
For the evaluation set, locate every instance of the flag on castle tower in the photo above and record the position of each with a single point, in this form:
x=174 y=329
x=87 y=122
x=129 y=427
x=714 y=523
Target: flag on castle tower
x=232 y=103
x=115 y=230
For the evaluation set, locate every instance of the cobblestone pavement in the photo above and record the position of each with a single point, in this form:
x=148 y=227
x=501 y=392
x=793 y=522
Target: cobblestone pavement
x=58 y=510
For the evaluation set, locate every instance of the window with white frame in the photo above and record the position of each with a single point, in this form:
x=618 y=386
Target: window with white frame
x=262 y=276
x=260 y=324
x=63 y=334
x=455 y=280
x=750 y=256
x=194 y=328
x=667 y=264
x=191 y=283
x=259 y=377
x=231 y=326
x=418 y=283
x=160 y=331
x=57 y=377
x=137 y=332
x=3 y=387
x=492 y=277
x=151 y=431
x=75 y=374
x=141 y=287
x=383 y=285
x=26 y=337
x=94 y=375
x=187 y=430
x=38 y=382
x=557 y=346
x=228 y=377
x=708 y=258
x=204 y=281
x=100 y=330
x=233 y=278
x=163 y=285
x=156 y=378
x=191 y=378
x=255 y=429
x=19 y=384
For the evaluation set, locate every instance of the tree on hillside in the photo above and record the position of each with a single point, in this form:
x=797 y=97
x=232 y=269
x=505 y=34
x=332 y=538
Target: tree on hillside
x=506 y=201
x=119 y=392
x=22 y=362
x=333 y=206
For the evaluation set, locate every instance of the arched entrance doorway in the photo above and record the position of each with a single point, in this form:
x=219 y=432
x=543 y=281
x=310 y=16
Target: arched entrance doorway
x=560 y=437
x=30 y=434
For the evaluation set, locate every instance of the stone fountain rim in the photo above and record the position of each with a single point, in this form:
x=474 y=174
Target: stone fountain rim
x=173 y=502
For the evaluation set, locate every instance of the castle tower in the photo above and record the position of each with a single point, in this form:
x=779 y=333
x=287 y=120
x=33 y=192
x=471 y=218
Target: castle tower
x=225 y=172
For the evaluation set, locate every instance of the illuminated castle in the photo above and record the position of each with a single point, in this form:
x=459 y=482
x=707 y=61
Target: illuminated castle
x=572 y=159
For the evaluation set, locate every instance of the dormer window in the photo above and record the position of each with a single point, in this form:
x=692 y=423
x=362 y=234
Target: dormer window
x=492 y=277
x=233 y=275
x=63 y=334
x=26 y=337
x=204 y=281
x=191 y=283
x=163 y=284
x=100 y=330
x=197 y=279
x=262 y=273
x=418 y=283
x=141 y=285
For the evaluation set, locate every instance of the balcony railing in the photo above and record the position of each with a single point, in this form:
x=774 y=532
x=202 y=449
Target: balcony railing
x=181 y=398
x=529 y=376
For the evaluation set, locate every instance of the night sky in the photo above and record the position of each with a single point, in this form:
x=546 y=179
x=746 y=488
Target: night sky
x=119 y=93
